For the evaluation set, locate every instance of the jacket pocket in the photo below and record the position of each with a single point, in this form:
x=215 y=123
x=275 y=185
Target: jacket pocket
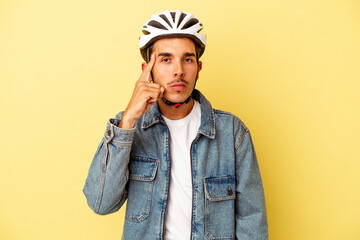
x=140 y=185
x=220 y=207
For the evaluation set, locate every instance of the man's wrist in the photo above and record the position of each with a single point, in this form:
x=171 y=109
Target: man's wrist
x=127 y=123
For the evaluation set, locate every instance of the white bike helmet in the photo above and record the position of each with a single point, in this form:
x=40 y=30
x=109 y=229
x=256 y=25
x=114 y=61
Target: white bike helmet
x=169 y=24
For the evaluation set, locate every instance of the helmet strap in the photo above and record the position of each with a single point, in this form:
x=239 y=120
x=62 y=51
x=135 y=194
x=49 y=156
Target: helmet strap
x=148 y=54
x=177 y=104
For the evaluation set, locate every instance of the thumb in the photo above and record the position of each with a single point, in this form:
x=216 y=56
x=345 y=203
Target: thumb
x=162 y=90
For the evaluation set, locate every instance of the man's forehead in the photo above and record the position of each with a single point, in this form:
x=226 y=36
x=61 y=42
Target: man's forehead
x=174 y=44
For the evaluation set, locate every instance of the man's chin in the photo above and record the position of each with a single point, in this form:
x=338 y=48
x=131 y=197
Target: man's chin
x=176 y=99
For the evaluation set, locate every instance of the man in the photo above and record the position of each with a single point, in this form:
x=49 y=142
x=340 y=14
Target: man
x=187 y=171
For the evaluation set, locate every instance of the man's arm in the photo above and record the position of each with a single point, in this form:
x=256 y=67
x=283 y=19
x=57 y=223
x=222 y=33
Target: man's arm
x=108 y=174
x=251 y=219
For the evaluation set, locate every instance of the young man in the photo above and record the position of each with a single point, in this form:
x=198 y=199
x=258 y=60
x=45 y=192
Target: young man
x=187 y=171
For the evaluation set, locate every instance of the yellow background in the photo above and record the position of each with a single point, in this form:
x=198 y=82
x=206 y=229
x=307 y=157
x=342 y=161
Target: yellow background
x=289 y=69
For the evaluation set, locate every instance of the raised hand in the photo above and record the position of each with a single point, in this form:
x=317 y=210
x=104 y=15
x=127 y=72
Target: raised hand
x=145 y=94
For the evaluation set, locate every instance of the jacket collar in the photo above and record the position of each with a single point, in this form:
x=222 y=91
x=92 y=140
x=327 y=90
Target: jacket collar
x=207 y=125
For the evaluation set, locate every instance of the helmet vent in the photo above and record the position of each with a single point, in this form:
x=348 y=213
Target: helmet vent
x=182 y=16
x=156 y=25
x=145 y=32
x=190 y=23
x=173 y=16
x=165 y=19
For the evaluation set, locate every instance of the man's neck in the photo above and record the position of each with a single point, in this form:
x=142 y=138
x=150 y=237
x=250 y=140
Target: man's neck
x=173 y=113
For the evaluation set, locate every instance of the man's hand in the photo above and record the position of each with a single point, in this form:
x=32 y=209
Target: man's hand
x=146 y=93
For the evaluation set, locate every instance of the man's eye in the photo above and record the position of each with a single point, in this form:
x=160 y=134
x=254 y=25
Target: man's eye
x=165 y=60
x=188 y=60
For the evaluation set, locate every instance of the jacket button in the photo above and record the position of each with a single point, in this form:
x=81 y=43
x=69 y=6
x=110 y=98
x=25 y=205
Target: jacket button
x=229 y=191
x=108 y=132
x=104 y=168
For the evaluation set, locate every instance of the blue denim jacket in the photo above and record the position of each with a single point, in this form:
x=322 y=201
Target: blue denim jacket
x=228 y=196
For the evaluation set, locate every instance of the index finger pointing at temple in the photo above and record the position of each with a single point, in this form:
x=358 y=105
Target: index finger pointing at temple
x=145 y=76
x=150 y=65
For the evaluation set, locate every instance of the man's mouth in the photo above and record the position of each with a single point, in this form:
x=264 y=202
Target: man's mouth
x=178 y=85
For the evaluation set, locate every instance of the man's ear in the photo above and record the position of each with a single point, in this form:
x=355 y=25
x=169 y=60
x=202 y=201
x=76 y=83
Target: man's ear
x=143 y=66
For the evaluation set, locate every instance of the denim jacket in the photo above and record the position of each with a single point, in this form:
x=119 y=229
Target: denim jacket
x=134 y=165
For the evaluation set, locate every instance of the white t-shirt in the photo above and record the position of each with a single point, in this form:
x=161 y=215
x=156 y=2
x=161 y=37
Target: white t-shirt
x=179 y=209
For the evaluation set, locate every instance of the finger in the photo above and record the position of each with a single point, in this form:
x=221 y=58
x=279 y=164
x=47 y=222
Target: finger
x=148 y=68
x=143 y=86
x=151 y=63
x=146 y=76
x=151 y=101
x=152 y=96
x=153 y=85
x=162 y=90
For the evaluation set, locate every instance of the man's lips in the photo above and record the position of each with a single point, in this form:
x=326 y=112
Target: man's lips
x=178 y=86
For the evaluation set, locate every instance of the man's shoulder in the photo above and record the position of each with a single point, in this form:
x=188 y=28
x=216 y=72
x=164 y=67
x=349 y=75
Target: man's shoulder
x=228 y=118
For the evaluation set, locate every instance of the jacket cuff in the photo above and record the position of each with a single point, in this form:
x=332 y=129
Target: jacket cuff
x=114 y=133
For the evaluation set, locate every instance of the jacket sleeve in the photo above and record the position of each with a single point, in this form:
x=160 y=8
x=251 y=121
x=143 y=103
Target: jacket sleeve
x=108 y=174
x=251 y=219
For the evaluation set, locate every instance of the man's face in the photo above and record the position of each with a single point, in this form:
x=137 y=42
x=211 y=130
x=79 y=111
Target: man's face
x=175 y=67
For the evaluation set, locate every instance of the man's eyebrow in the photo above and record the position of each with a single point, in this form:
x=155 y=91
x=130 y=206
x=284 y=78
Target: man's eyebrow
x=189 y=54
x=165 y=54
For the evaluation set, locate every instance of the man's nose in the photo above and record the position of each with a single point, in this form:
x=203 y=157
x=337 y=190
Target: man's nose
x=179 y=70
